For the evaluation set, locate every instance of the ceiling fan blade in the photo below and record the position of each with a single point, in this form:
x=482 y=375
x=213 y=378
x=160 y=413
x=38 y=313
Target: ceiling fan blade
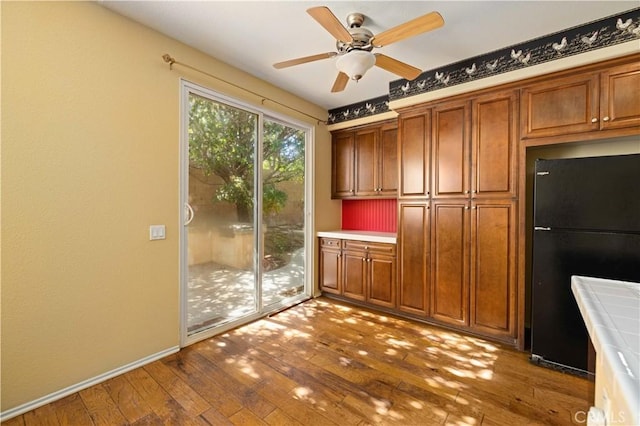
x=397 y=67
x=416 y=26
x=328 y=20
x=340 y=83
x=304 y=60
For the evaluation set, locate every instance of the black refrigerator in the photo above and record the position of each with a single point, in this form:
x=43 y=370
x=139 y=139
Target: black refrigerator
x=586 y=222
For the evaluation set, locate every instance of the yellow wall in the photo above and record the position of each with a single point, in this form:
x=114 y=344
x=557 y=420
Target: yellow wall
x=90 y=159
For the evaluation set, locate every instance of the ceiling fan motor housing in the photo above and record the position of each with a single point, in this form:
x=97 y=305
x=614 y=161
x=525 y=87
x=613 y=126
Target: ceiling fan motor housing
x=361 y=35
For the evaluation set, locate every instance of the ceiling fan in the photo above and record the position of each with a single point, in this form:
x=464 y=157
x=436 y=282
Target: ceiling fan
x=355 y=43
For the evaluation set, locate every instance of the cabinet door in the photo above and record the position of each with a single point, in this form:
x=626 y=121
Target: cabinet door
x=413 y=257
x=382 y=280
x=366 y=167
x=620 y=97
x=450 y=264
x=493 y=264
x=560 y=106
x=493 y=145
x=342 y=156
x=354 y=274
x=414 y=151
x=388 y=161
x=450 y=169
x=330 y=270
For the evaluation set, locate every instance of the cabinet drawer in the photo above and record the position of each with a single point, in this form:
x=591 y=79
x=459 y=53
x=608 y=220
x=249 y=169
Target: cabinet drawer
x=382 y=248
x=330 y=242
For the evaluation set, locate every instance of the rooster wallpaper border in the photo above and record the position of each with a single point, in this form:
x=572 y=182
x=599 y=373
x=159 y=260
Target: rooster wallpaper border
x=595 y=35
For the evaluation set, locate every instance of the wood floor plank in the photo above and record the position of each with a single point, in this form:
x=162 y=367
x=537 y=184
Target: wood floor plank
x=45 y=416
x=190 y=400
x=129 y=401
x=245 y=417
x=15 y=421
x=280 y=418
x=102 y=409
x=245 y=394
x=162 y=404
x=71 y=411
x=194 y=370
x=215 y=417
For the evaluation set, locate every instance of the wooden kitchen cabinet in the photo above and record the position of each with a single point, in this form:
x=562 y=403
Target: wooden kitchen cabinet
x=494 y=161
x=414 y=151
x=413 y=257
x=354 y=274
x=450 y=145
x=450 y=262
x=493 y=268
x=388 y=160
x=359 y=270
x=370 y=272
x=364 y=162
x=342 y=165
x=330 y=275
x=582 y=103
x=474 y=266
x=474 y=147
x=559 y=106
x=620 y=97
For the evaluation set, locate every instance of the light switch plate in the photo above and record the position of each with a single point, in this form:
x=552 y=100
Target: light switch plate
x=157 y=232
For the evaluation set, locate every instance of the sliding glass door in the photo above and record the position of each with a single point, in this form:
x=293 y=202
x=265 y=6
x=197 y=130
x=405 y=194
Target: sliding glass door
x=244 y=194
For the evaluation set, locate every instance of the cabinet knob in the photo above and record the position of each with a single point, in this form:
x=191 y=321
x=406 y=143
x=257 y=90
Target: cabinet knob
x=594 y=120
x=605 y=119
x=466 y=192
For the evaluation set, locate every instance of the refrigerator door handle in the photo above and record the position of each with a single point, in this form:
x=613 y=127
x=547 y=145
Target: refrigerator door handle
x=541 y=228
x=542 y=173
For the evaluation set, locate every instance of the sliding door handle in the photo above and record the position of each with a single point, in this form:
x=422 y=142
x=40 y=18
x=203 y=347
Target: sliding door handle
x=189 y=212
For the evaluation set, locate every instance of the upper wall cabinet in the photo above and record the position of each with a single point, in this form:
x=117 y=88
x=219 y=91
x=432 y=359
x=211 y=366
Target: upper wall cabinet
x=364 y=162
x=414 y=152
x=620 y=97
x=342 y=165
x=450 y=144
x=493 y=145
x=474 y=149
x=582 y=103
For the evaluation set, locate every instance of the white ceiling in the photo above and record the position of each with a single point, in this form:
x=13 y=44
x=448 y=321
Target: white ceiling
x=253 y=35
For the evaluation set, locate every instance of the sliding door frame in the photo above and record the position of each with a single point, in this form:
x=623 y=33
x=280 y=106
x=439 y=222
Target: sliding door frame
x=187 y=88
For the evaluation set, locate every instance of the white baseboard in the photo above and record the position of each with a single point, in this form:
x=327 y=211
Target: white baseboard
x=21 y=409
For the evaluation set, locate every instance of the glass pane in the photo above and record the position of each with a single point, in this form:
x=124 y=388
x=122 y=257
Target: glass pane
x=220 y=238
x=283 y=198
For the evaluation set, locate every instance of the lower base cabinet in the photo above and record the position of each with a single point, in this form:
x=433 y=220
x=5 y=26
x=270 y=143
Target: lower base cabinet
x=360 y=270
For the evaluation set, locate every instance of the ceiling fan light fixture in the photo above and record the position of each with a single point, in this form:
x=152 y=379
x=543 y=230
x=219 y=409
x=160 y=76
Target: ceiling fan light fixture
x=356 y=63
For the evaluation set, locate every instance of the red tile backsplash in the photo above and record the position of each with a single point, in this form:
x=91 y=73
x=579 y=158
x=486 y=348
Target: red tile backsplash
x=370 y=215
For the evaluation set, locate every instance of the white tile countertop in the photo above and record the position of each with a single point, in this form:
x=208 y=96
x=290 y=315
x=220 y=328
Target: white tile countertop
x=371 y=236
x=611 y=312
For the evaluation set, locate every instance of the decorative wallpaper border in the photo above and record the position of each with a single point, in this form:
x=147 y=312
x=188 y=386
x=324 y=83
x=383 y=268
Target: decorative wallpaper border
x=595 y=35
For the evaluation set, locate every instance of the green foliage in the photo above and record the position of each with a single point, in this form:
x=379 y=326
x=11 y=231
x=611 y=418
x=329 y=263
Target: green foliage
x=222 y=141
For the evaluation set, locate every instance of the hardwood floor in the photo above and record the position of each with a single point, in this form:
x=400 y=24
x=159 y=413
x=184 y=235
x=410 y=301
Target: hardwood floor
x=328 y=363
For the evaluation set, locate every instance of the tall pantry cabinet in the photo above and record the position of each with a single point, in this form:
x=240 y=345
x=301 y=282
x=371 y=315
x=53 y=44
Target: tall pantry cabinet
x=457 y=213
